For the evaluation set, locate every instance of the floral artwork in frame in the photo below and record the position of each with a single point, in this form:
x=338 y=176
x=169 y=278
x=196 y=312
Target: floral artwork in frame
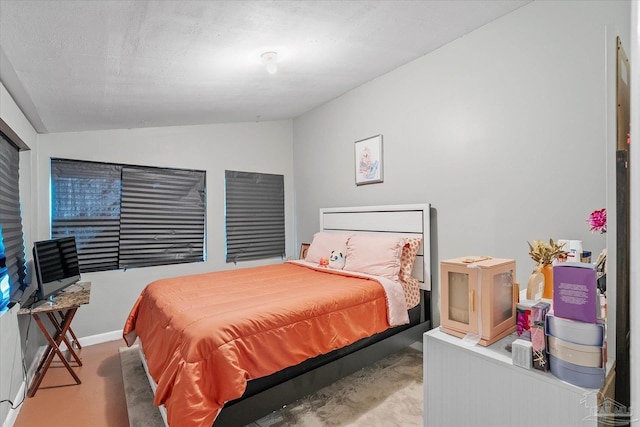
x=368 y=160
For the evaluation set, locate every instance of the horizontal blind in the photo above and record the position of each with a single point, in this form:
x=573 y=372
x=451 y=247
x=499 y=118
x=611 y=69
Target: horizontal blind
x=86 y=204
x=255 y=223
x=10 y=216
x=163 y=216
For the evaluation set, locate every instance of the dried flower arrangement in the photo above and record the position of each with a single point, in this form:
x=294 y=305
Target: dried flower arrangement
x=544 y=253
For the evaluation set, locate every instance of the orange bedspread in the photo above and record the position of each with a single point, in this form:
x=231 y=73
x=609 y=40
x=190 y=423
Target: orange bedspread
x=206 y=335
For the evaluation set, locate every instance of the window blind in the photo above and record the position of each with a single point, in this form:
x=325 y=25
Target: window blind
x=162 y=219
x=255 y=223
x=10 y=215
x=86 y=203
x=128 y=216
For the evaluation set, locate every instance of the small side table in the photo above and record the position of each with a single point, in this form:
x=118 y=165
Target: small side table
x=60 y=313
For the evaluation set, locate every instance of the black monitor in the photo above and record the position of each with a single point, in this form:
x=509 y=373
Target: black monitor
x=56 y=265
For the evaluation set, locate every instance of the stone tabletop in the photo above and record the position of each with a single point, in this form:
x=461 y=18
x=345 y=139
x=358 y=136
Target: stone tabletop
x=72 y=297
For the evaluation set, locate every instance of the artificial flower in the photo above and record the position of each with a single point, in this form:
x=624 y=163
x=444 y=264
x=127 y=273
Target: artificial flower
x=598 y=221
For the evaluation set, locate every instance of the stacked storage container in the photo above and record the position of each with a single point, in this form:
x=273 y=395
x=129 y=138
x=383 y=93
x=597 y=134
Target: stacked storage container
x=575 y=333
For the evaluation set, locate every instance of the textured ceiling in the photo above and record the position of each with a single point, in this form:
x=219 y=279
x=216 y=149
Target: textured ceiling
x=89 y=65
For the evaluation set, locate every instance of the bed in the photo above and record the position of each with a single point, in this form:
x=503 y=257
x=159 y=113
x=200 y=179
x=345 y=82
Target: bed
x=229 y=347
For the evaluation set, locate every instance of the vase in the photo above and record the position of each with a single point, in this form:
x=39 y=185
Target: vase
x=547 y=272
x=535 y=286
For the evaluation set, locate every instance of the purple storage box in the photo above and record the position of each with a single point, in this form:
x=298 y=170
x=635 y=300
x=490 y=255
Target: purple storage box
x=577 y=375
x=575 y=291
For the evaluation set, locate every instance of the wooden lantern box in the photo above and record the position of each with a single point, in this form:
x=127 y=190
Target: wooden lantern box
x=478 y=292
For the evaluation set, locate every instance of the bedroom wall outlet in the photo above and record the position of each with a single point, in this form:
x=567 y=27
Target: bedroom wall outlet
x=521 y=353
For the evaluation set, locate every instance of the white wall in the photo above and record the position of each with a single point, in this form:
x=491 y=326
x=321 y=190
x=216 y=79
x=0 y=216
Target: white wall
x=502 y=131
x=256 y=147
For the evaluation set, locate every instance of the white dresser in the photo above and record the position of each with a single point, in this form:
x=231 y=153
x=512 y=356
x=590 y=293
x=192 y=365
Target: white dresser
x=479 y=386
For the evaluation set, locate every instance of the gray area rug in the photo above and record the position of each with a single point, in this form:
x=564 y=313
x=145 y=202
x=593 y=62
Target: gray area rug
x=137 y=391
x=387 y=393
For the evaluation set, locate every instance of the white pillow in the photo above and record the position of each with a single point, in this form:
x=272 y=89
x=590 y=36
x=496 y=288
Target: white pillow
x=375 y=255
x=324 y=242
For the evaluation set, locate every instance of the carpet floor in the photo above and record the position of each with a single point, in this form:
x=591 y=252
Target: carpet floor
x=387 y=393
x=137 y=391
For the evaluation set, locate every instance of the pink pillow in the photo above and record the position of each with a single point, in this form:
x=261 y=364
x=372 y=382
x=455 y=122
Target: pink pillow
x=408 y=258
x=324 y=242
x=376 y=255
x=411 y=288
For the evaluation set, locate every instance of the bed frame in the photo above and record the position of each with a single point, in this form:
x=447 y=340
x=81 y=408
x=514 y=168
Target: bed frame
x=265 y=395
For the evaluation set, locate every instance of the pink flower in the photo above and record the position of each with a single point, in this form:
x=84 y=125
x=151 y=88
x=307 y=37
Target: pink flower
x=598 y=221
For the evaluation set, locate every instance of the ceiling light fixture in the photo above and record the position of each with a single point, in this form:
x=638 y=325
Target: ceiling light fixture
x=270 y=61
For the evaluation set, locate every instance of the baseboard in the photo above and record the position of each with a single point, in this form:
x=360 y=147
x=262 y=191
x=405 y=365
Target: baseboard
x=97 y=339
x=101 y=338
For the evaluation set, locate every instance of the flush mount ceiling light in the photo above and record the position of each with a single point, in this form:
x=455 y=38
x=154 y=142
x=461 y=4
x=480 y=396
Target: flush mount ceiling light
x=270 y=61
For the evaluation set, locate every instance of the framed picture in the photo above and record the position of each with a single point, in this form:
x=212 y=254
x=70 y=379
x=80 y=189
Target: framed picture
x=303 y=250
x=368 y=160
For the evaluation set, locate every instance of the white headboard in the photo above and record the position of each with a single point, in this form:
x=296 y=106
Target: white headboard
x=407 y=220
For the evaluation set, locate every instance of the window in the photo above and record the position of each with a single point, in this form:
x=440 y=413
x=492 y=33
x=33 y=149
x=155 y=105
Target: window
x=128 y=216
x=85 y=202
x=12 y=256
x=254 y=215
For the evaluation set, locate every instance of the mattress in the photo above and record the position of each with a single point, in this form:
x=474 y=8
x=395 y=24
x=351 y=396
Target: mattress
x=205 y=336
